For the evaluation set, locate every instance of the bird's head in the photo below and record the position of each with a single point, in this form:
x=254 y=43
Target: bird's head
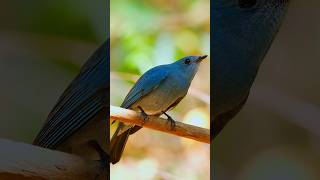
x=190 y=64
x=250 y=5
x=248 y=25
x=242 y=33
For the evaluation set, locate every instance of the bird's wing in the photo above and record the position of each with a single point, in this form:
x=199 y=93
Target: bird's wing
x=84 y=99
x=148 y=82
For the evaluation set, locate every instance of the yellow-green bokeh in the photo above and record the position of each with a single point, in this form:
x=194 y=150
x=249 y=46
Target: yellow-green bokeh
x=145 y=34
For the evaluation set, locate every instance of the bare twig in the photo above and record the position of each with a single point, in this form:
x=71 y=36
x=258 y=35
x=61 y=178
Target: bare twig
x=160 y=124
x=24 y=161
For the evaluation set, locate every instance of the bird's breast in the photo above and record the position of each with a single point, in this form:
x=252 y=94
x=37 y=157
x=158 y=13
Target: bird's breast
x=161 y=98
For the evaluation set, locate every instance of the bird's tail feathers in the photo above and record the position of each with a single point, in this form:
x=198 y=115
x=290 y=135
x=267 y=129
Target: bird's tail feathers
x=117 y=144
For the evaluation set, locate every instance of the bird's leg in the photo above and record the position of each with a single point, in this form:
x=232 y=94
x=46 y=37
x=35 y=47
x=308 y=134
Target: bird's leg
x=172 y=122
x=104 y=157
x=144 y=115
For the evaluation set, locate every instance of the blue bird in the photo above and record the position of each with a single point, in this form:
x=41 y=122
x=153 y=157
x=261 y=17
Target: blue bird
x=156 y=92
x=78 y=122
x=242 y=32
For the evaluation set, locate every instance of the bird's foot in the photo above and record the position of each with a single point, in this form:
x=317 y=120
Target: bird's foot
x=172 y=122
x=144 y=115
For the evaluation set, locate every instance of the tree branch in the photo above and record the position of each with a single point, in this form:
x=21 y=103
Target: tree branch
x=160 y=124
x=24 y=161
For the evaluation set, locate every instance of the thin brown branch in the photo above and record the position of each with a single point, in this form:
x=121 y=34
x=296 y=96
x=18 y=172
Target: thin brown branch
x=24 y=161
x=160 y=124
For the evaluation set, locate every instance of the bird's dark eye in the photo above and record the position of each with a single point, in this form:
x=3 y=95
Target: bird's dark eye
x=247 y=3
x=187 y=61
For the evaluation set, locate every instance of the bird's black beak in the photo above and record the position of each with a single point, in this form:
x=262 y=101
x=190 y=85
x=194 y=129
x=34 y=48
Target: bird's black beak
x=201 y=58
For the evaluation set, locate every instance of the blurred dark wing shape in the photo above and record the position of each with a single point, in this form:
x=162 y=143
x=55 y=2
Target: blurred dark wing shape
x=82 y=100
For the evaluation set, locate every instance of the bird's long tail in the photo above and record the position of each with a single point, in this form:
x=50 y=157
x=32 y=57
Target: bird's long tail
x=117 y=144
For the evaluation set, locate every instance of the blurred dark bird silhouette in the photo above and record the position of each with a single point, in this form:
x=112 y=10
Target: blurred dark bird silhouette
x=242 y=33
x=78 y=122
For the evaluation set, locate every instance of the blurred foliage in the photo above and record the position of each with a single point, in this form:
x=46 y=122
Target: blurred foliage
x=56 y=18
x=149 y=33
x=43 y=44
x=144 y=34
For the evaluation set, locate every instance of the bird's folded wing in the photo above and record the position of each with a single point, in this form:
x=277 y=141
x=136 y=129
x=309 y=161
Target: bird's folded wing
x=148 y=82
x=82 y=100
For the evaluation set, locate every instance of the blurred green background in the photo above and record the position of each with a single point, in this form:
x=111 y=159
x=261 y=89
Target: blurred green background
x=144 y=34
x=42 y=47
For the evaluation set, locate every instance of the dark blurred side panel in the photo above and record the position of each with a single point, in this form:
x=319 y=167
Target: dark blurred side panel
x=277 y=133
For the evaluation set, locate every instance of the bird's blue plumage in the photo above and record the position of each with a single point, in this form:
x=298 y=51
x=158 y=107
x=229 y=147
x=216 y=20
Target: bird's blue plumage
x=145 y=84
x=157 y=91
x=83 y=100
x=241 y=36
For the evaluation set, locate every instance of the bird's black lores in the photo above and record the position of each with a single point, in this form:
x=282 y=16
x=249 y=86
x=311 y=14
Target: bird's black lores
x=78 y=122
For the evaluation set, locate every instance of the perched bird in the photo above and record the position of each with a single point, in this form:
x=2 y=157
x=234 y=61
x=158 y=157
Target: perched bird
x=242 y=33
x=157 y=91
x=78 y=122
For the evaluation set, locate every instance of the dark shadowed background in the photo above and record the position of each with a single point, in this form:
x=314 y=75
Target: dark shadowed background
x=277 y=134
x=42 y=47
